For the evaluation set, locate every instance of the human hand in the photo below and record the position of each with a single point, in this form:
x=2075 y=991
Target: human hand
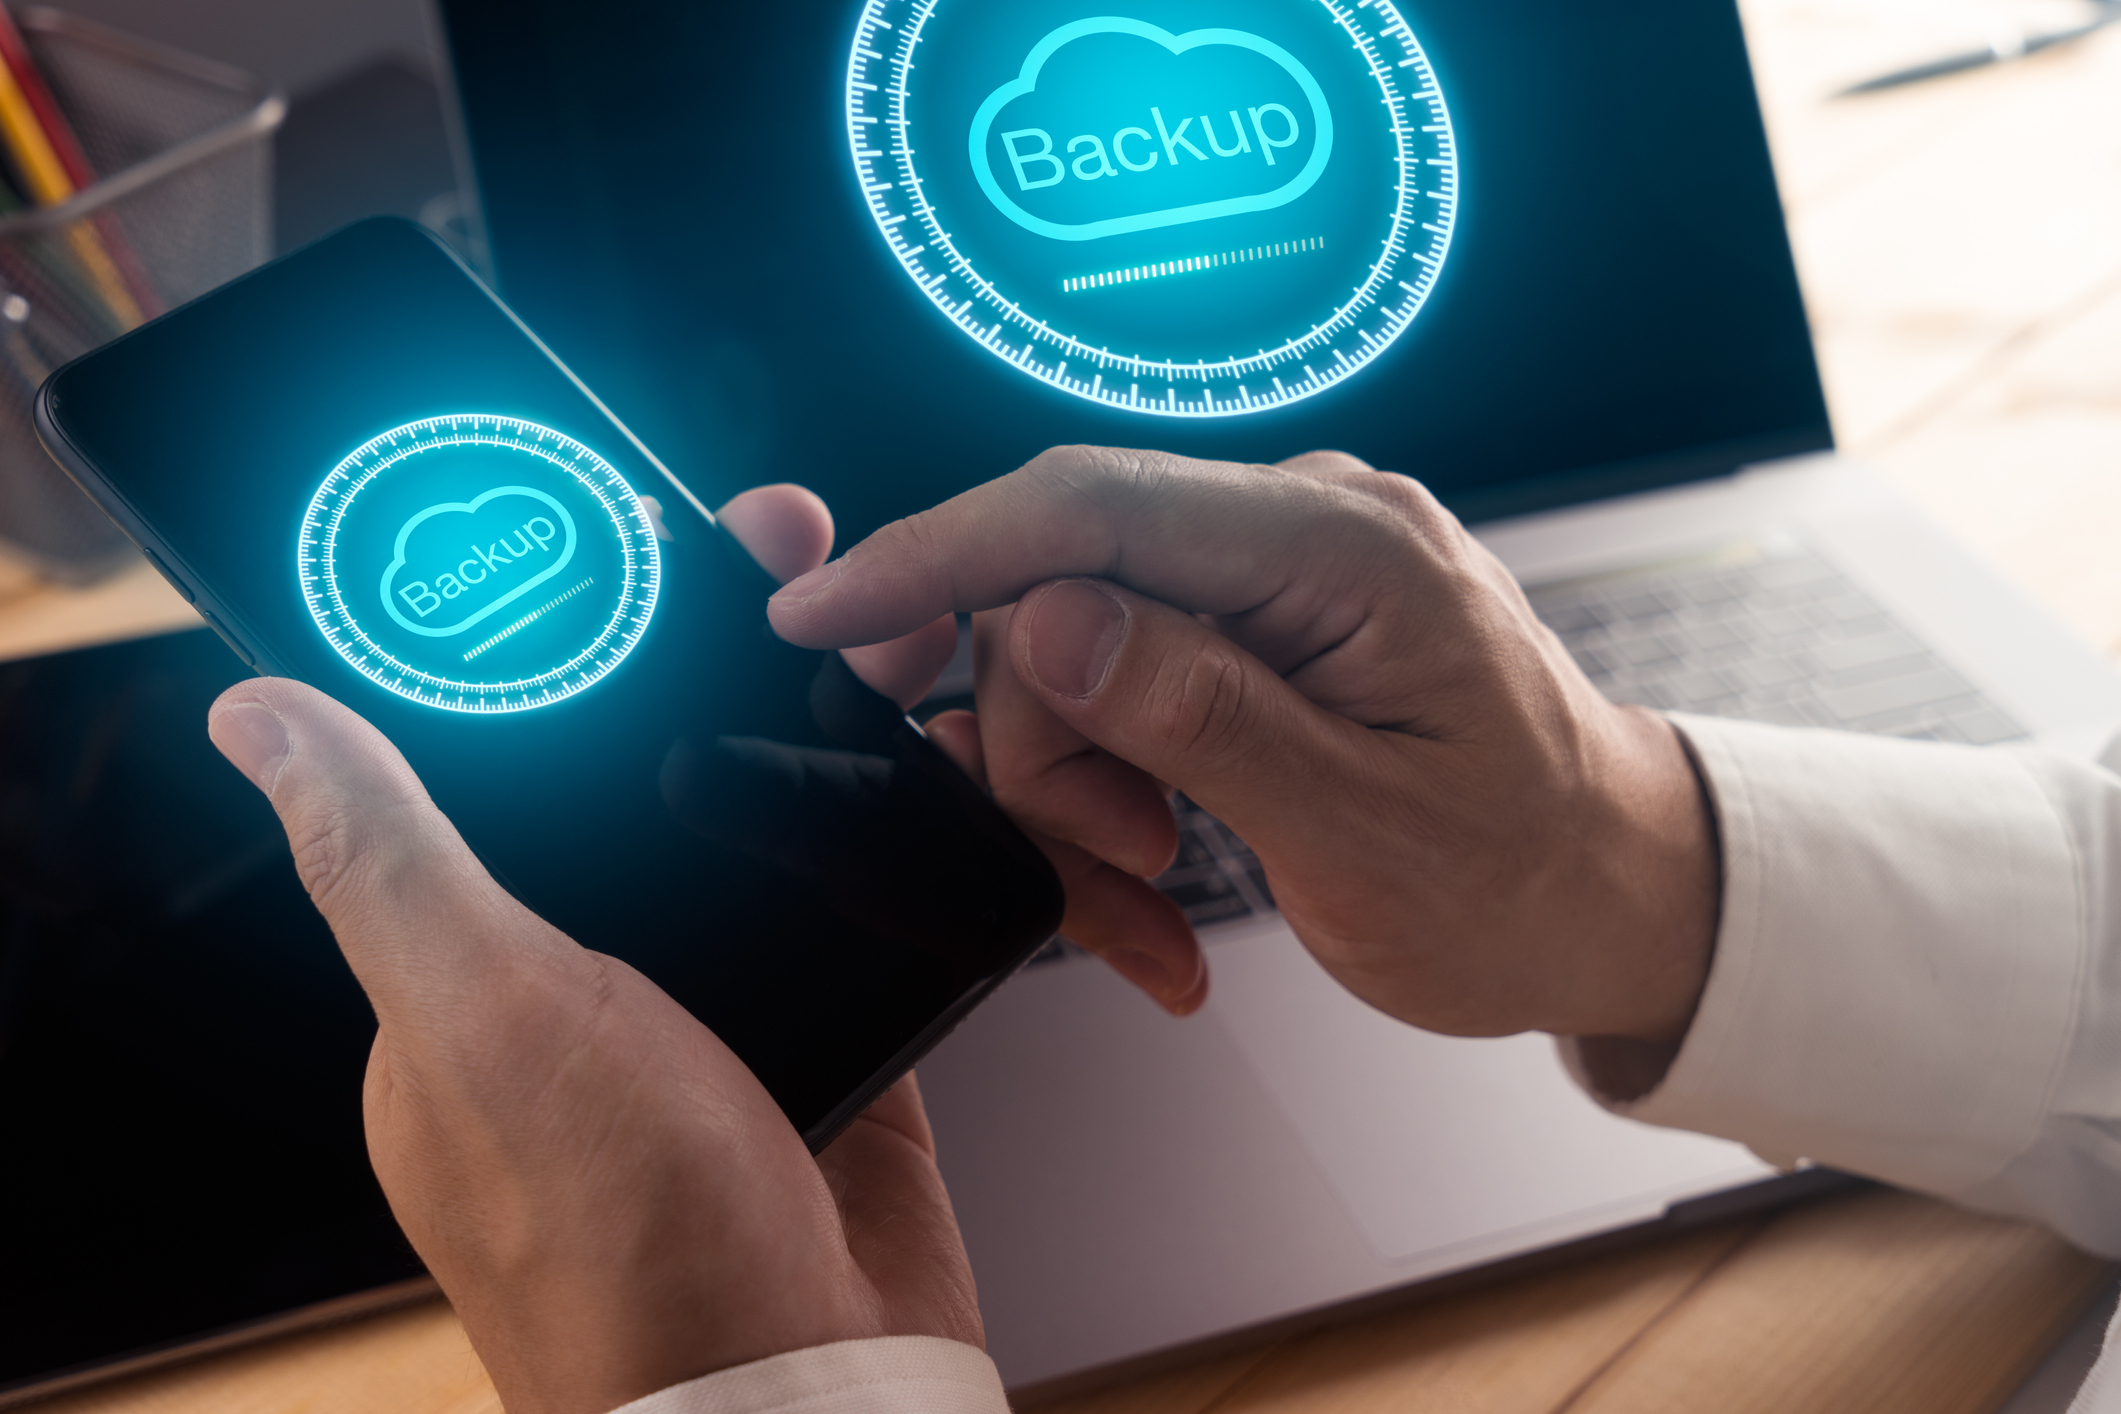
x=1452 y=819
x=608 y=1196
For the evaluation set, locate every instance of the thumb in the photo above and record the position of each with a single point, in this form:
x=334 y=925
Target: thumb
x=418 y=917
x=1159 y=689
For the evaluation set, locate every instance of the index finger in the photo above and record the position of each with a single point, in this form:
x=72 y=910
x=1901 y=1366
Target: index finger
x=788 y=530
x=1207 y=537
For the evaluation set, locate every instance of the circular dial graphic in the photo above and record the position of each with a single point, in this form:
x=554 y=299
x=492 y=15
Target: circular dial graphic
x=479 y=564
x=1192 y=208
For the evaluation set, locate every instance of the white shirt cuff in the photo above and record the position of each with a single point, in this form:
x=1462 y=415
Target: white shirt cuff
x=1899 y=962
x=905 y=1374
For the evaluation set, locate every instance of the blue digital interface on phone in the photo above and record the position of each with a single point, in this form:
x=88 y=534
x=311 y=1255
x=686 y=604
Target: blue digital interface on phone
x=479 y=563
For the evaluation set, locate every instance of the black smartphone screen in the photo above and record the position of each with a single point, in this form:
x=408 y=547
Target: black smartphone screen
x=375 y=480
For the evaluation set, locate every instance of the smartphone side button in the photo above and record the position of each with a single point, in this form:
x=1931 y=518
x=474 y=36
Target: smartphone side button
x=175 y=583
x=229 y=639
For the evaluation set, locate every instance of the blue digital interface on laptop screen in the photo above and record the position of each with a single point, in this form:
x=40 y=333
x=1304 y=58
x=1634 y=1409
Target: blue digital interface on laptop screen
x=1527 y=251
x=1212 y=222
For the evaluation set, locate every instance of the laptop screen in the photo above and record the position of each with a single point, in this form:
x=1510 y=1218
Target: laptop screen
x=1528 y=251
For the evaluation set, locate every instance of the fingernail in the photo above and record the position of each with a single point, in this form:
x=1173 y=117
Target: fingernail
x=1179 y=992
x=1192 y=999
x=807 y=587
x=1146 y=971
x=254 y=740
x=1074 y=635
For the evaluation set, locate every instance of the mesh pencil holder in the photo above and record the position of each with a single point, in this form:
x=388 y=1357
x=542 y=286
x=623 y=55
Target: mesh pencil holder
x=185 y=204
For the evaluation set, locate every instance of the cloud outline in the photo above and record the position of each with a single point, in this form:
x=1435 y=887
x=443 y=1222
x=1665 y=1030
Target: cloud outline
x=472 y=507
x=1026 y=81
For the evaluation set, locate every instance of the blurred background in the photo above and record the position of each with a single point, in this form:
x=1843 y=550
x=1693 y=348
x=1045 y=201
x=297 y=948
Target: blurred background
x=304 y=44
x=1960 y=243
x=364 y=133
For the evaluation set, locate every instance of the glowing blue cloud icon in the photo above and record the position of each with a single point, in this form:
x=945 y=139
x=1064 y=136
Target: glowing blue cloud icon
x=1035 y=164
x=469 y=564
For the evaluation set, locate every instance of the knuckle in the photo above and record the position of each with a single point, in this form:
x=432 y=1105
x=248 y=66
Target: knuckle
x=344 y=860
x=329 y=853
x=918 y=549
x=917 y=537
x=1404 y=496
x=1406 y=505
x=1114 y=479
x=593 y=986
x=1207 y=711
x=1416 y=520
x=1110 y=488
x=1327 y=462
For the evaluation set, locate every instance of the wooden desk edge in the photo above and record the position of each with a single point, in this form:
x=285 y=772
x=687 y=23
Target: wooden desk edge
x=338 y=1312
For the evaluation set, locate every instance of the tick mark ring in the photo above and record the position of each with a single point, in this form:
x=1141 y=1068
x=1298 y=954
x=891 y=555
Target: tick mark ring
x=479 y=564
x=1161 y=219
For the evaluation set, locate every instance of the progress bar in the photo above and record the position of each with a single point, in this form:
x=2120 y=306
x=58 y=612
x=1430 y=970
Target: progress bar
x=1165 y=269
x=530 y=618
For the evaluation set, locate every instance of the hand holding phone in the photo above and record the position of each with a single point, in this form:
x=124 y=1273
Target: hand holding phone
x=610 y=1199
x=371 y=478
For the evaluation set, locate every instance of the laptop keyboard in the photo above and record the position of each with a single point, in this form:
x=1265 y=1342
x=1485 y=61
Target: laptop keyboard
x=1774 y=634
x=1774 y=637
x=1216 y=877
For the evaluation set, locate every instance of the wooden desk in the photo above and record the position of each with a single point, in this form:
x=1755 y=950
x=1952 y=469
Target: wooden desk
x=1961 y=247
x=1880 y=1303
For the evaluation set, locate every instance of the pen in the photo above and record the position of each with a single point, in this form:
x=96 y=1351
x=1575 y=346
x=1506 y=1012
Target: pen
x=48 y=274
x=2002 y=51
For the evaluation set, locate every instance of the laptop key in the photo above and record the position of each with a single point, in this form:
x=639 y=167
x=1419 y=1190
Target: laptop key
x=1716 y=589
x=1639 y=652
x=1710 y=635
x=1767 y=670
x=1874 y=699
x=1779 y=714
x=1698 y=687
x=1790 y=572
x=1867 y=651
x=1568 y=619
x=1985 y=726
x=1780 y=623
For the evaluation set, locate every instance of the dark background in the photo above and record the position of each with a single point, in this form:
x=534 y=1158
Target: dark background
x=181 y=1047
x=671 y=205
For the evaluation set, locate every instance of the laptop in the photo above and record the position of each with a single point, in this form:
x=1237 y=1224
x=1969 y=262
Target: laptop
x=1529 y=251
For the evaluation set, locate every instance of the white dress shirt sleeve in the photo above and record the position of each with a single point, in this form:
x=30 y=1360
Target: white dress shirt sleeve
x=1917 y=976
x=1917 y=973
x=907 y=1374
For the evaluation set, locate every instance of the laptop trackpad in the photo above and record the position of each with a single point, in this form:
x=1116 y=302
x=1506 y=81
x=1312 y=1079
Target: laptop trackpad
x=1441 y=1146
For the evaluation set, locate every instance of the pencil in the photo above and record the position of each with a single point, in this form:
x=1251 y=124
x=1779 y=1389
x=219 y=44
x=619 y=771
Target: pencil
x=45 y=181
x=54 y=281
x=73 y=158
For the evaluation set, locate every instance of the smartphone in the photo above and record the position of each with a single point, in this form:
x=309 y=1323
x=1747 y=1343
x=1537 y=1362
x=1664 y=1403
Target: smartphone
x=370 y=476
